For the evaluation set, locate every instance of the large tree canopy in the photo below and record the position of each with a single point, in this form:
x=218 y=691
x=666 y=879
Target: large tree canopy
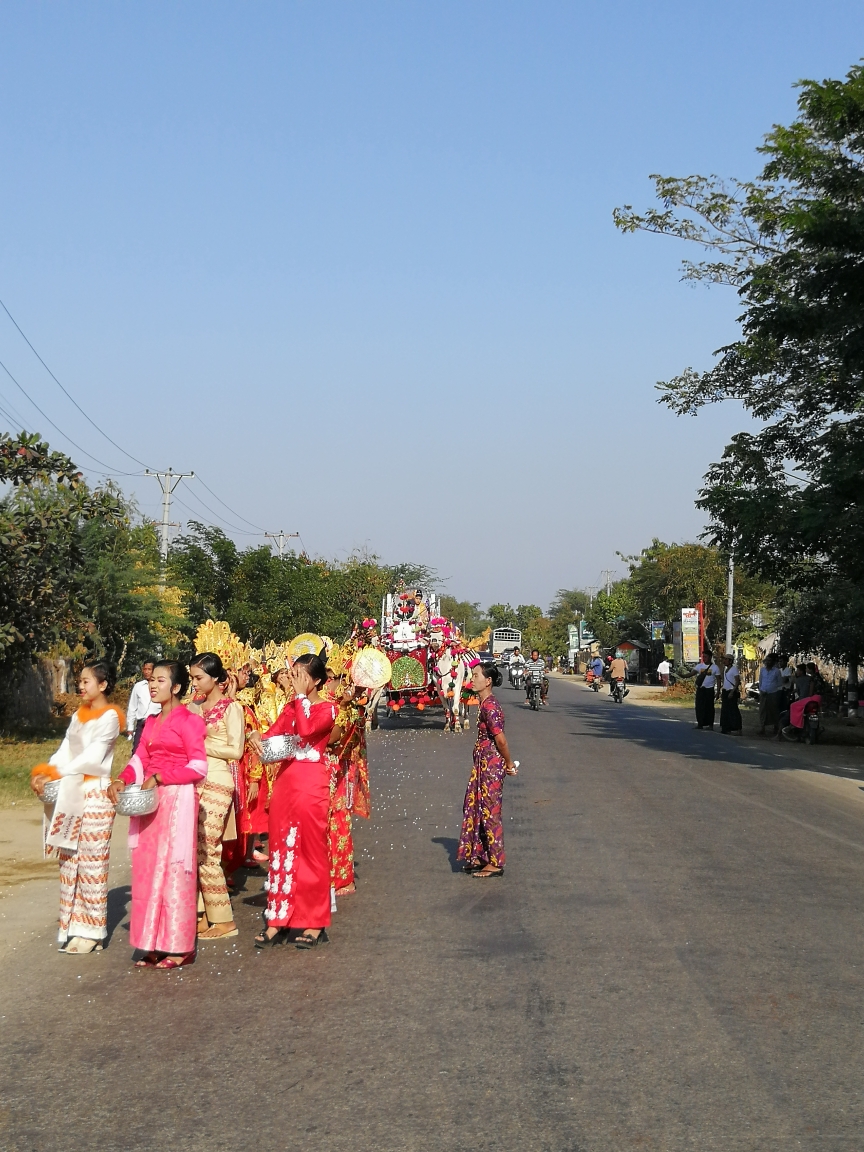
x=788 y=499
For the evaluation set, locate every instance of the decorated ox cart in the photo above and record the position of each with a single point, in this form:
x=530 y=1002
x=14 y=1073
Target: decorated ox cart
x=430 y=665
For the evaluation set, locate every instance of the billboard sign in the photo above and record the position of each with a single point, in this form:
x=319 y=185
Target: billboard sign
x=586 y=636
x=658 y=627
x=573 y=637
x=690 y=635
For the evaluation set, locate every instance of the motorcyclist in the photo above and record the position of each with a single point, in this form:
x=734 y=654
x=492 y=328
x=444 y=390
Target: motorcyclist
x=596 y=667
x=515 y=667
x=536 y=665
x=617 y=671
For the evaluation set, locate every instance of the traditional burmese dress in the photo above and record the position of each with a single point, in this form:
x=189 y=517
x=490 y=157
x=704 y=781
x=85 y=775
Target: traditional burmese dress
x=250 y=818
x=79 y=828
x=298 y=882
x=482 y=839
x=217 y=804
x=163 y=845
x=349 y=793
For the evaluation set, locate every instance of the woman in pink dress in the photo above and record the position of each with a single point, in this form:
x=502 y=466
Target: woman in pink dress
x=298 y=882
x=170 y=757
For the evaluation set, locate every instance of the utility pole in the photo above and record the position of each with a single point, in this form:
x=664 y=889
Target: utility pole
x=280 y=537
x=607 y=577
x=729 y=604
x=168 y=481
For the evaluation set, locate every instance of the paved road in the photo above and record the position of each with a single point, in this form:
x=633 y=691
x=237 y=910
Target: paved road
x=673 y=961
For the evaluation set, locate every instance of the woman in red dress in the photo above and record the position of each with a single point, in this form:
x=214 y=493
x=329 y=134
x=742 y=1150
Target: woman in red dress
x=298 y=882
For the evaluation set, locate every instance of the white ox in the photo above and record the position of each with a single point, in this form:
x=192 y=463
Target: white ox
x=450 y=670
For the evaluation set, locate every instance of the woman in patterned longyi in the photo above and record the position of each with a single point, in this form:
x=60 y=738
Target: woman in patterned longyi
x=481 y=844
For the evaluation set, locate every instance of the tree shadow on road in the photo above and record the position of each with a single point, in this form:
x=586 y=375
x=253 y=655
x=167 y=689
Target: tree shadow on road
x=451 y=847
x=650 y=729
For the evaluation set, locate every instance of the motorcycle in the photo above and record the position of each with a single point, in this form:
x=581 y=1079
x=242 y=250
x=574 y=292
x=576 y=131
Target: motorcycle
x=809 y=734
x=517 y=676
x=619 y=691
x=534 y=691
x=593 y=680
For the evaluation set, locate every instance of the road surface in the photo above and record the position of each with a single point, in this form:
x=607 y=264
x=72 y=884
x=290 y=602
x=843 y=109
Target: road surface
x=672 y=961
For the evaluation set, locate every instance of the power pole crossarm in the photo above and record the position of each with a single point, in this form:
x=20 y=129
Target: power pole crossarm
x=280 y=537
x=168 y=481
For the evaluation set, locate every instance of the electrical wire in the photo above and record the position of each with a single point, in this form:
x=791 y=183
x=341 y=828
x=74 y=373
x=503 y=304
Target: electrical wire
x=119 y=447
x=45 y=416
x=224 y=523
x=224 y=505
x=69 y=396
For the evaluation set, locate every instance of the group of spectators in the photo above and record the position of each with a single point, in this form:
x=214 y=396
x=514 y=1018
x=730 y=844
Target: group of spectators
x=782 y=689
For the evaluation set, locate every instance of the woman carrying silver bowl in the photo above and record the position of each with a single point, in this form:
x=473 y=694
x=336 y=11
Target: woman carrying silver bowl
x=171 y=757
x=78 y=827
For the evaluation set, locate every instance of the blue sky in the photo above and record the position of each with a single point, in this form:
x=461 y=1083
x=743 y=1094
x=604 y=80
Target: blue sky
x=354 y=263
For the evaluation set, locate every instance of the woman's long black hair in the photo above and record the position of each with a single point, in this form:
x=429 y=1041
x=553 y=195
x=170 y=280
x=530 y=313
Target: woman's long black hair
x=315 y=666
x=492 y=672
x=212 y=664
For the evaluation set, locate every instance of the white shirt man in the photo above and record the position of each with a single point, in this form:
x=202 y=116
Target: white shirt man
x=706 y=692
x=140 y=706
x=663 y=670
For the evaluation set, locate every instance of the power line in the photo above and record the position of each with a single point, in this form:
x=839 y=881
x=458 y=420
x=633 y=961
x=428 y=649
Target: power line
x=197 y=515
x=119 y=447
x=45 y=416
x=224 y=505
x=70 y=396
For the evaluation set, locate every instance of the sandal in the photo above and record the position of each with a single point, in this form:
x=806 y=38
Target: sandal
x=485 y=874
x=278 y=938
x=211 y=933
x=169 y=962
x=148 y=961
x=304 y=942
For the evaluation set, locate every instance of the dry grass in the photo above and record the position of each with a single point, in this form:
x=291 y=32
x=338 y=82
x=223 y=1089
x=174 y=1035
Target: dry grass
x=19 y=754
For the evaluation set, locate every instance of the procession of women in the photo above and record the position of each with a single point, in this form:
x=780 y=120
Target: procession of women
x=253 y=760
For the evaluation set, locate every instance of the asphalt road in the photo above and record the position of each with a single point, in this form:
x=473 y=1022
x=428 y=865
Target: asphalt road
x=672 y=961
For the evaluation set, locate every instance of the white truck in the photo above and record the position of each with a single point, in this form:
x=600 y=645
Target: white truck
x=504 y=640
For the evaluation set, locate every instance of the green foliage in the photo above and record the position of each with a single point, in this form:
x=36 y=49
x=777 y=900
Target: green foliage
x=42 y=552
x=128 y=616
x=788 y=498
x=568 y=607
x=502 y=616
x=665 y=578
x=264 y=597
x=466 y=611
x=615 y=615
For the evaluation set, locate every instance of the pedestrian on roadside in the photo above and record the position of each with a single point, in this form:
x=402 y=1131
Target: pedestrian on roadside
x=78 y=830
x=481 y=842
x=664 y=668
x=171 y=758
x=770 y=694
x=140 y=705
x=730 y=694
x=707 y=687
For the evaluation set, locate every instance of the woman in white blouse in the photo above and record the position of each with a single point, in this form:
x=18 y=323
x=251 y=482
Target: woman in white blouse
x=78 y=825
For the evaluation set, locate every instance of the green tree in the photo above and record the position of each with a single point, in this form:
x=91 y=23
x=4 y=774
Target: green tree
x=502 y=616
x=614 y=616
x=42 y=549
x=664 y=578
x=568 y=607
x=788 y=498
x=466 y=611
